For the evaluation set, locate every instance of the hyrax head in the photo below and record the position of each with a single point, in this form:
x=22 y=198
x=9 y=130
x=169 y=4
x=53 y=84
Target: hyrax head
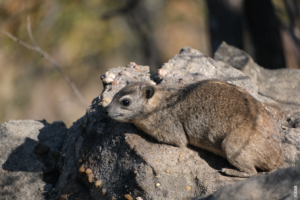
x=130 y=103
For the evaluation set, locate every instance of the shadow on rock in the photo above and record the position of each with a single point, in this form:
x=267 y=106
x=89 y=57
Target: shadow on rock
x=19 y=156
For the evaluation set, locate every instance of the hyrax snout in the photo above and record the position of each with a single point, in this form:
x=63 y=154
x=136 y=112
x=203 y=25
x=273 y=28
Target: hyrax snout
x=212 y=115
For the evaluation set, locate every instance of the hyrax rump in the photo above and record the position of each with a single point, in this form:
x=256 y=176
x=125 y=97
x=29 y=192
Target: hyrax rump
x=212 y=115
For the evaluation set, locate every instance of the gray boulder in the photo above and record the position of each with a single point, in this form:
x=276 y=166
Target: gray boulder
x=25 y=174
x=282 y=184
x=99 y=158
x=282 y=85
x=117 y=161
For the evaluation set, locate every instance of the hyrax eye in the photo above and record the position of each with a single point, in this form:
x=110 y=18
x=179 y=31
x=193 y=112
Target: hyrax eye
x=125 y=102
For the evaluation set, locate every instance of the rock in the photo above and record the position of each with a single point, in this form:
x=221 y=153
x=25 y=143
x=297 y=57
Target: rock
x=24 y=174
x=88 y=171
x=282 y=184
x=99 y=158
x=282 y=85
x=188 y=187
x=81 y=168
x=128 y=197
x=98 y=183
x=130 y=162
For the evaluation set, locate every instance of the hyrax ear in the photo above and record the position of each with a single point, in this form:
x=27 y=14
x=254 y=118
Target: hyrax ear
x=148 y=91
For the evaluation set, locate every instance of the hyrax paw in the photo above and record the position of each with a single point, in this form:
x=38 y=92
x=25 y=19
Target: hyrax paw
x=233 y=172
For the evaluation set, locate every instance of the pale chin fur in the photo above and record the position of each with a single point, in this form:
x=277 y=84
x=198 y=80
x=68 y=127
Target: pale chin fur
x=118 y=118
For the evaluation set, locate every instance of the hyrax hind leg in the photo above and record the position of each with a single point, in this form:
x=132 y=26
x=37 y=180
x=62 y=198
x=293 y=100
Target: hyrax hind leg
x=238 y=153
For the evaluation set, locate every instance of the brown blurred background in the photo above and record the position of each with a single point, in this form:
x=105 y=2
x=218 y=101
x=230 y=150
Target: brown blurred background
x=88 y=37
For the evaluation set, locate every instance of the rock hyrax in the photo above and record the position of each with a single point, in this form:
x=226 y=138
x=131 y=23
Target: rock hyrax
x=212 y=115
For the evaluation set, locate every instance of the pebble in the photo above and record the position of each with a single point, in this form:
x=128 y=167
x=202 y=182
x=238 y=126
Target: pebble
x=137 y=68
x=91 y=177
x=110 y=75
x=167 y=171
x=128 y=196
x=188 y=187
x=88 y=171
x=139 y=198
x=81 y=168
x=108 y=80
x=157 y=184
x=152 y=82
x=104 y=191
x=63 y=197
x=161 y=72
x=98 y=183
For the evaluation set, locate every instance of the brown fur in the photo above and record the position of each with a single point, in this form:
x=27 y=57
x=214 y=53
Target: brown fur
x=212 y=115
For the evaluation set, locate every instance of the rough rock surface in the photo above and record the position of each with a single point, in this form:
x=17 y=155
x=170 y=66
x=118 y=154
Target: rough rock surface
x=128 y=162
x=278 y=185
x=105 y=159
x=282 y=85
x=25 y=174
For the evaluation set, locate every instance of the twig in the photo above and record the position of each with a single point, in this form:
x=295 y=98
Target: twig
x=18 y=41
x=36 y=48
x=30 y=33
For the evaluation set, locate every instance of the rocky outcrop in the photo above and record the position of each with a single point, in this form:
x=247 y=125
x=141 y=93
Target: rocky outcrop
x=100 y=158
x=25 y=174
x=282 y=184
x=128 y=162
x=282 y=85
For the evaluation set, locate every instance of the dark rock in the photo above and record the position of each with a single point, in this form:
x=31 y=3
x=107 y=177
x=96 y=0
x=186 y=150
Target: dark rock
x=282 y=184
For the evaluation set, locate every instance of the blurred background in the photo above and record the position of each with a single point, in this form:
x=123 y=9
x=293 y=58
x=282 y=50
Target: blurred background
x=88 y=37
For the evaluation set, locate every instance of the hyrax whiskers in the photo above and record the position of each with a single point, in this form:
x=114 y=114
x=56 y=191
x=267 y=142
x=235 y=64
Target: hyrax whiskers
x=212 y=115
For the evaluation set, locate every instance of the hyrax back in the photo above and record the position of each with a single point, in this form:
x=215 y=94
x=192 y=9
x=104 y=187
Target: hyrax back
x=212 y=115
